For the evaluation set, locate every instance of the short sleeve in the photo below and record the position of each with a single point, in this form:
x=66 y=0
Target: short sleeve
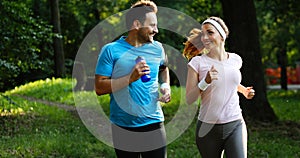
x=105 y=61
x=164 y=59
x=239 y=61
x=194 y=63
x=236 y=60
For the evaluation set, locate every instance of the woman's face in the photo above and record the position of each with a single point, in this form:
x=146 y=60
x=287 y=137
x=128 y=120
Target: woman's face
x=211 y=37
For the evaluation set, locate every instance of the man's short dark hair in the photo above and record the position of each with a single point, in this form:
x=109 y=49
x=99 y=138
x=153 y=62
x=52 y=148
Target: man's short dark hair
x=138 y=11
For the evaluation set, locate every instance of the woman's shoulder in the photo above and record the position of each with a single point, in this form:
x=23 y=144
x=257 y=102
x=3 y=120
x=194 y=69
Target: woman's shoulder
x=237 y=58
x=196 y=59
x=233 y=54
x=199 y=57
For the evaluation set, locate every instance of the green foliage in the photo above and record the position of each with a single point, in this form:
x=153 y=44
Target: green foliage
x=46 y=131
x=279 y=29
x=202 y=9
x=48 y=89
x=9 y=107
x=79 y=17
x=24 y=46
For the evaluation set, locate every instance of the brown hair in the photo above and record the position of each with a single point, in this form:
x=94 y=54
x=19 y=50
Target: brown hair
x=138 y=11
x=193 y=46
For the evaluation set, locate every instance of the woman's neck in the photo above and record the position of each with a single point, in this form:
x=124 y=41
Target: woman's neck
x=218 y=54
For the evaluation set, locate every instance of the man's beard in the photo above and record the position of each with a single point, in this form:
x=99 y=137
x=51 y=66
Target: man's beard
x=145 y=37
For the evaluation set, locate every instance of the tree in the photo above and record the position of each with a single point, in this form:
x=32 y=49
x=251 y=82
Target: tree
x=57 y=41
x=240 y=16
x=279 y=34
x=24 y=45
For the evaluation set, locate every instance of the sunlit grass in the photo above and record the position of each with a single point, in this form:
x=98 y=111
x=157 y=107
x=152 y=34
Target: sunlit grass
x=54 y=89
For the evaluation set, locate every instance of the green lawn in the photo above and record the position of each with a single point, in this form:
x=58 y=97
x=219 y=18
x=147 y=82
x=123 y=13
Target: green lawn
x=33 y=129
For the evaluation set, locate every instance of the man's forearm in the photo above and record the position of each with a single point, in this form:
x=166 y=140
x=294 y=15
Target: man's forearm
x=108 y=85
x=164 y=76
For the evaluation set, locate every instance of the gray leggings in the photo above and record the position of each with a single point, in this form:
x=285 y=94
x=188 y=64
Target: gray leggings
x=135 y=142
x=215 y=139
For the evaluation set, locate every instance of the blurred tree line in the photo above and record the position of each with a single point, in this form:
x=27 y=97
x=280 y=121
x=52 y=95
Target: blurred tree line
x=27 y=33
x=26 y=46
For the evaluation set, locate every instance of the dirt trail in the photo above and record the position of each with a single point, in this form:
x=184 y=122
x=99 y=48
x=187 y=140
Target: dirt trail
x=66 y=107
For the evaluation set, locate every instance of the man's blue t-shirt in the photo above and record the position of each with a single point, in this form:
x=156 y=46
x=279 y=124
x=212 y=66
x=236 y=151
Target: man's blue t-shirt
x=135 y=105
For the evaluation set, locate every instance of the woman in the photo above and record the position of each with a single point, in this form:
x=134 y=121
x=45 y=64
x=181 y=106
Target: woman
x=214 y=75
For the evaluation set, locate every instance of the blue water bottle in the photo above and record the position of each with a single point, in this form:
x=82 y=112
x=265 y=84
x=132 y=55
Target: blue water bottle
x=144 y=78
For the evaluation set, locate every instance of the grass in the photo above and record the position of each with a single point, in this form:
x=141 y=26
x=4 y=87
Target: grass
x=33 y=129
x=281 y=138
x=285 y=104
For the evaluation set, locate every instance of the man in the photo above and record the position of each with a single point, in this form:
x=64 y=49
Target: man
x=135 y=110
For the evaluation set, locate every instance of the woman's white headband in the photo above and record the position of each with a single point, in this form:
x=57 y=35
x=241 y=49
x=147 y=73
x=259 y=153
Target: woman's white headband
x=217 y=26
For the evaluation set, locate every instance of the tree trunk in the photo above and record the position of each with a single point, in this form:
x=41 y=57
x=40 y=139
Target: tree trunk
x=282 y=58
x=240 y=17
x=59 y=57
x=36 y=8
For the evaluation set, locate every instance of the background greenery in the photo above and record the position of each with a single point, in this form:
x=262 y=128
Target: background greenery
x=26 y=45
x=32 y=128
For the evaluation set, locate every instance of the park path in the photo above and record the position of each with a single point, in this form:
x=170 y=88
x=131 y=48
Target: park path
x=69 y=108
x=290 y=87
